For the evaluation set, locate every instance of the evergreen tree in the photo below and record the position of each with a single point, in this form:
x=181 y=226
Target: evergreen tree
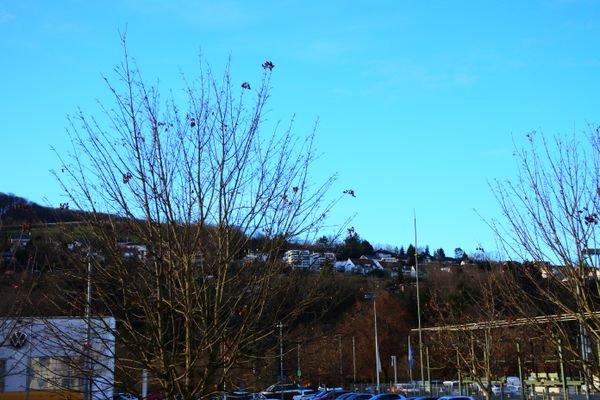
x=410 y=254
x=439 y=254
x=459 y=254
x=366 y=248
x=426 y=252
x=401 y=253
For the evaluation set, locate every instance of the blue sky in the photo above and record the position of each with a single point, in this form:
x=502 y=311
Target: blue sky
x=419 y=102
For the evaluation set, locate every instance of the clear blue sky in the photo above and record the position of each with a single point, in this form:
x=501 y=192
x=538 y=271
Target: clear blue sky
x=419 y=102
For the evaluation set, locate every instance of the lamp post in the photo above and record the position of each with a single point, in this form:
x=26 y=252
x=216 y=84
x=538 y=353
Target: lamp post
x=280 y=326
x=372 y=296
x=88 y=333
x=394 y=365
x=353 y=362
x=341 y=359
x=299 y=371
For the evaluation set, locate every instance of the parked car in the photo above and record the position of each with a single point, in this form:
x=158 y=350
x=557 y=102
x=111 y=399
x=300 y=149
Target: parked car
x=319 y=393
x=332 y=394
x=407 y=388
x=456 y=398
x=346 y=396
x=124 y=396
x=512 y=390
x=495 y=388
x=361 y=396
x=338 y=392
x=513 y=381
x=424 y=398
x=285 y=391
x=389 y=396
x=243 y=395
x=305 y=394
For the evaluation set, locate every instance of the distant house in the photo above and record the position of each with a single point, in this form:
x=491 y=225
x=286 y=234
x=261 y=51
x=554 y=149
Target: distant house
x=548 y=271
x=321 y=259
x=254 y=257
x=343 y=266
x=363 y=265
x=304 y=259
x=413 y=272
x=385 y=255
x=133 y=250
x=393 y=267
x=374 y=259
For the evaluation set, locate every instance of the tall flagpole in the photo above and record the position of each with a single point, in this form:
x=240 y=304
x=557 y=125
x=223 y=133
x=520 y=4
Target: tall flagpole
x=372 y=296
x=377 y=360
x=418 y=300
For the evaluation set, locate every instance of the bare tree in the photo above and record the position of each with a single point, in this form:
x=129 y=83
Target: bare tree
x=551 y=222
x=192 y=180
x=467 y=336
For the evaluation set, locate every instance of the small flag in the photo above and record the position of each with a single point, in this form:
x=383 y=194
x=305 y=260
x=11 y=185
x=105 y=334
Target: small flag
x=411 y=360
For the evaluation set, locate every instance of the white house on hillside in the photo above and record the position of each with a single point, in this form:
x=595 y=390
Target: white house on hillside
x=304 y=259
x=359 y=265
x=297 y=258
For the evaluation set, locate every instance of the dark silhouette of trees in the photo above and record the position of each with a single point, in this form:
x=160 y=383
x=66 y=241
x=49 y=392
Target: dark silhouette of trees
x=354 y=247
x=459 y=254
x=439 y=254
x=411 y=253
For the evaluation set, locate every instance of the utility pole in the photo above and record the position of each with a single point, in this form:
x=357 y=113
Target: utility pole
x=395 y=366
x=372 y=296
x=88 y=333
x=299 y=372
x=280 y=326
x=340 y=351
x=353 y=361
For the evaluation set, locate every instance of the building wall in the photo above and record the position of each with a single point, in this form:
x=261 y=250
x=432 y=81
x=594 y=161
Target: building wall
x=49 y=354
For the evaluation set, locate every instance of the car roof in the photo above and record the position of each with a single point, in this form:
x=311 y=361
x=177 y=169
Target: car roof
x=455 y=398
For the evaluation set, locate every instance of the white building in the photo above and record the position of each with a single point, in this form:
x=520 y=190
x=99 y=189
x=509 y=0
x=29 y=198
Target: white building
x=320 y=259
x=298 y=258
x=304 y=259
x=45 y=357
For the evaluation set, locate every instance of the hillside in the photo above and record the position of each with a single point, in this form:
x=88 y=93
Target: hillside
x=16 y=211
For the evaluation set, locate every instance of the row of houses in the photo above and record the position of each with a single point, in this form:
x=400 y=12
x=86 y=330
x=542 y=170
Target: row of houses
x=382 y=262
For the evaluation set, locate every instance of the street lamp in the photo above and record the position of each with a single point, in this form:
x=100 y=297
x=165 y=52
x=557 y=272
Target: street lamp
x=280 y=326
x=372 y=296
x=341 y=359
x=88 y=334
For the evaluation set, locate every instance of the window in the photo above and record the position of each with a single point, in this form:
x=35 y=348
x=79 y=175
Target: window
x=56 y=373
x=2 y=374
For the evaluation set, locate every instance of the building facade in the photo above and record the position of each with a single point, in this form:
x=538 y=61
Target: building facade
x=57 y=357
